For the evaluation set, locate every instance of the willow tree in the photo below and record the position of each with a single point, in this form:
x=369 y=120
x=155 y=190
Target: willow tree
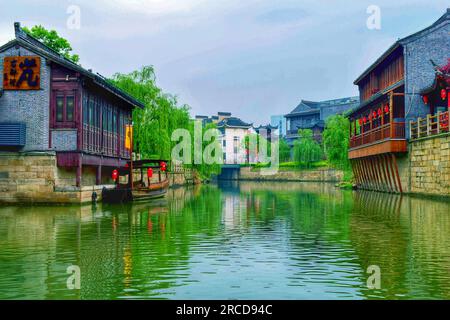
x=336 y=141
x=153 y=125
x=306 y=149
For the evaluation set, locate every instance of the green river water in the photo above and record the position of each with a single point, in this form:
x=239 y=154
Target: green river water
x=232 y=241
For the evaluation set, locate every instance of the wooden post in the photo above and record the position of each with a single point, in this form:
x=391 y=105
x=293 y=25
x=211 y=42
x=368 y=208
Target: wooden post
x=382 y=123
x=410 y=129
x=79 y=171
x=98 y=177
x=438 y=122
x=391 y=114
x=131 y=154
x=419 y=120
x=428 y=124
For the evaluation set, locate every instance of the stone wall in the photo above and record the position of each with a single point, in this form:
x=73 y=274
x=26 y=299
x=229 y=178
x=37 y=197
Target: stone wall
x=33 y=177
x=430 y=165
x=28 y=106
x=319 y=175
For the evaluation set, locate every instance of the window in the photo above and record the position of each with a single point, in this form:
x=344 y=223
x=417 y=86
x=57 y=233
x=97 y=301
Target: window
x=60 y=109
x=64 y=109
x=224 y=143
x=70 y=108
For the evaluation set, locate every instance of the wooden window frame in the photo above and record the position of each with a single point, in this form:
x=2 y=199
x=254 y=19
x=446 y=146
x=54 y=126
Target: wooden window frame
x=65 y=94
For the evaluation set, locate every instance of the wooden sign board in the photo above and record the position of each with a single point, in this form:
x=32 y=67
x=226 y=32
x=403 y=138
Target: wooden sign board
x=22 y=73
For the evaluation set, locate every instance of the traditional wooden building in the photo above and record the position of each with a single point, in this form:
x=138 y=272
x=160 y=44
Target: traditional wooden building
x=391 y=91
x=51 y=107
x=313 y=115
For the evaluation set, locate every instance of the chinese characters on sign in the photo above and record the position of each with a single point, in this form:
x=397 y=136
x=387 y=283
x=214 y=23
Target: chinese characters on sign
x=22 y=73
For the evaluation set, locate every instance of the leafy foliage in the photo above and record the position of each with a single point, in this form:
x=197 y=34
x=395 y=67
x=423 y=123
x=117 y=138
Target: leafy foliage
x=285 y=151
x=51 y=39
x=162 y=115
x=336 y=141
x=153 y=125
x=306 y=149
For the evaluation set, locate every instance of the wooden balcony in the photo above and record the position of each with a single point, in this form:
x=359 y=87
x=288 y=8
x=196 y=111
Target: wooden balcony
x=383 y=139
x=103 y=142
x=429 y=126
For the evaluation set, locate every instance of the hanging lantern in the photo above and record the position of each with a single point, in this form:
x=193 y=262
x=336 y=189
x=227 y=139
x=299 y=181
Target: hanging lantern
x=115 y=174
x=425 y=99
x=443 y=94
x=163 y=166
x=380 y=113
x=360 y=121
x=149 y=173
x=364 y=120
x=386 y=108
x=370 y=116
x=374 y=114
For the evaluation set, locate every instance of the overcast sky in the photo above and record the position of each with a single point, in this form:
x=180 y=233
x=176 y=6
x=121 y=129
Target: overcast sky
x=254 y=58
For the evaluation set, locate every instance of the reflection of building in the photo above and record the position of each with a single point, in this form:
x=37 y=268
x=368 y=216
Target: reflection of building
x=56 y=114
x=233 y=132
x=279 y=121
x=312 y=115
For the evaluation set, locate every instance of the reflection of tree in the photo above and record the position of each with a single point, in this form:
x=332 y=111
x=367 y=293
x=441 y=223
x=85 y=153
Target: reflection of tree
x=408 y=239
x=160 y=242
x=378 y=238
x=324 y=239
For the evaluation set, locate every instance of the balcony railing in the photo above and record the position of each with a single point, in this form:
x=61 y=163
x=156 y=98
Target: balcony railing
x=388 y=131
x=429 y=126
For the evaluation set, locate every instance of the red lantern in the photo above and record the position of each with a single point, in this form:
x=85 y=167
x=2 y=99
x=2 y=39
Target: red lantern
x=163 y=166
x=386 y=108
x=149 y=172
x=425 y=99
x=360 y=122
x=370 y=116
x=374 y=114
x=115 y=174
x=443 y=94
x=364 y=120
x=380 y=113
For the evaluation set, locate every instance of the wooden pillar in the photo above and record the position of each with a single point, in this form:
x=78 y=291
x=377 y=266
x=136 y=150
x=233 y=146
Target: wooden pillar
x=391 y=113
x=79 y=171
x=394 y=160
x=98 y=176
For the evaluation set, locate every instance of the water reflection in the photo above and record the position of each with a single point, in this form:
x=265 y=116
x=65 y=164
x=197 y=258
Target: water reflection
x=234 y=240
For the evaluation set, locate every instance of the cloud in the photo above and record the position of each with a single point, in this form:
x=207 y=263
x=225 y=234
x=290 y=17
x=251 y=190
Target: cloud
x=282 y=16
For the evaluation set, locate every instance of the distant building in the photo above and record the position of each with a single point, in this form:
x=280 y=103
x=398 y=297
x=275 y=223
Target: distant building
x=312 y=115
x=279 y=121
x=267 y=131
x=233 y=132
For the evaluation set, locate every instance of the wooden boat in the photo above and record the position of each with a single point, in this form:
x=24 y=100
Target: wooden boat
x=141 y=190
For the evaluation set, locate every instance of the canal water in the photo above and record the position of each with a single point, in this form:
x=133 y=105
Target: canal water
x=232 y=241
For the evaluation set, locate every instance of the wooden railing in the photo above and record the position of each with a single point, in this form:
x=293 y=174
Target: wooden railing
x=429 y=126
x=96 y=140
x=384 y=132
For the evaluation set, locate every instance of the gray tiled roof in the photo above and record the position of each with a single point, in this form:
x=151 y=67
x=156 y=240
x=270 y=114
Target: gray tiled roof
x=34 y=45
x=233 y=122
x=310 y=107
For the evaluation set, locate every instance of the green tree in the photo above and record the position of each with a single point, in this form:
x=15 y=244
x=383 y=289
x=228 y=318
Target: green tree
x=336 y=141
x=306 y=149
x=285 y=151
x=153 y=125
x=52 y=40
x=206 y=170
x=161 y=116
